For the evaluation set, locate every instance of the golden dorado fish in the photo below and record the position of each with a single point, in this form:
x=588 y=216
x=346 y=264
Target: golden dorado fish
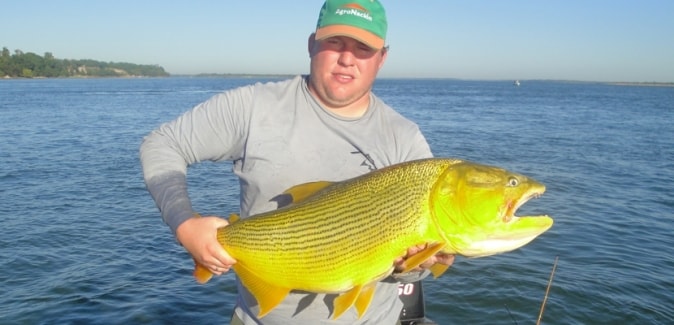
x=344 y=237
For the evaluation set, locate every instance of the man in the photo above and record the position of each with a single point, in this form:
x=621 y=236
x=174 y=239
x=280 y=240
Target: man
x=325 y=126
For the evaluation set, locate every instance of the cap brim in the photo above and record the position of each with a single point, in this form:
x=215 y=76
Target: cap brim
x=356 y=33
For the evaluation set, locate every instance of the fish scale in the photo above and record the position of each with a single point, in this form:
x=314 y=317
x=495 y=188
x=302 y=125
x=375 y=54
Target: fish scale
x=346 y=235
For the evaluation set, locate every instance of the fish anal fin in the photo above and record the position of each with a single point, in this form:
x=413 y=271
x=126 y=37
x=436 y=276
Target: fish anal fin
x=267 y=295
x=345 y=301
x=365 y=298
x=420 y=257
x=301 y=192
x=201 y=274
x=438 y=269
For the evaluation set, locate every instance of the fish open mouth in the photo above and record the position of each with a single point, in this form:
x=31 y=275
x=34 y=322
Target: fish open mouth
x=512 y=206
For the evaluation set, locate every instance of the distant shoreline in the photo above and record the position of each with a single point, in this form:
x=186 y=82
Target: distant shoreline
x=253 y=76
x=236 y=75
x=200 y=75
x=643 y=84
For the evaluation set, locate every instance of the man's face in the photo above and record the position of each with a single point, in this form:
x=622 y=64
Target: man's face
x=343 y=70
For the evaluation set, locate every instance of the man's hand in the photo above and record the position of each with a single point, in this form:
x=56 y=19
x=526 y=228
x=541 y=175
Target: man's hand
x=199 y=237
x=441 y=258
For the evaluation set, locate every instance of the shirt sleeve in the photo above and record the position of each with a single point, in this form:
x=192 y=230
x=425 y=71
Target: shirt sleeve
x=410 y=277
x=212 y=131
x=419 y=148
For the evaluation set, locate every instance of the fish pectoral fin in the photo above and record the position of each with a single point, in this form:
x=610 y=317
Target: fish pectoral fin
x=365 y=298
x=267 y=295
x=345 y=301
x=300 y=192
x=438 y=269
x=422 y=256
x=201 y=274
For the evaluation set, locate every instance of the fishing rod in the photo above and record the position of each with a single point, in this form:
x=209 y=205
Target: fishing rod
x=547 y=291
x=545 y=298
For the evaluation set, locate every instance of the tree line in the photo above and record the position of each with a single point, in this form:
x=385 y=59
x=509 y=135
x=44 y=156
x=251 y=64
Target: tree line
x=31 y=65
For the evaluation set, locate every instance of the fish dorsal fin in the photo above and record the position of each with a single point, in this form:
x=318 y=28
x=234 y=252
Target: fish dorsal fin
x=365 y=298
x=267 y=295
x=422 y=256
x=299 y=193
x=345 y=301
x=233 y=217
x=201 y=274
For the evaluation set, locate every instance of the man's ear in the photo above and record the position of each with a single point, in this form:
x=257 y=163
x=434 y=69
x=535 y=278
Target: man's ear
x=311 y=42
x=384 y=55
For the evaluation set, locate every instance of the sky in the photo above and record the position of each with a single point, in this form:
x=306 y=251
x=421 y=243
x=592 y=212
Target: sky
x=585 y=40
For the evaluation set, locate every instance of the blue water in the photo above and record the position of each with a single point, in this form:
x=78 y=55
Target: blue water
x=82 y=242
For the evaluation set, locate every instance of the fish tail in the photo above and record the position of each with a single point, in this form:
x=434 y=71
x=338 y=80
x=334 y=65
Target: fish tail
x=201 y=274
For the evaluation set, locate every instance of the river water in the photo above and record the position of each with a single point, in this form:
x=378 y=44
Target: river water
x=83 y=243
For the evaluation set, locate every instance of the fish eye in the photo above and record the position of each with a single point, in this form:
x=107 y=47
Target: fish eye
x=513 y=181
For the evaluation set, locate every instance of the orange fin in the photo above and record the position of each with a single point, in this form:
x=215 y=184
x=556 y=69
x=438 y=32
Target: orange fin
x=267 y=295
x=301 y=192
x=422 y=256
x=233 y=217
x=345 y=301
x=438 y=269
x=365 y=298
x=201 y=274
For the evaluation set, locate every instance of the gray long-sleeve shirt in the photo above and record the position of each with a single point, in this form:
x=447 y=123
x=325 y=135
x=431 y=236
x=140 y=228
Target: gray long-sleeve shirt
x=277 y=136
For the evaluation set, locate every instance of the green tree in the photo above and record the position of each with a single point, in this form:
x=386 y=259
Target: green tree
x=4 y=59
x=27 y=73
x=29 y=65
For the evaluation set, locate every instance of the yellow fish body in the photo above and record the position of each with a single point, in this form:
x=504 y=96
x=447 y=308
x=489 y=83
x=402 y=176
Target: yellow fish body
x=343 y=237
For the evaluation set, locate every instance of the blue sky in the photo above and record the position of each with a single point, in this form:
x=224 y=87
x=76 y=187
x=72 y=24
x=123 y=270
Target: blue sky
x=589 y=40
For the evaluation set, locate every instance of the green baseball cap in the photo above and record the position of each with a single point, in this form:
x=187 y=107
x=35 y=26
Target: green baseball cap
x=363 y=20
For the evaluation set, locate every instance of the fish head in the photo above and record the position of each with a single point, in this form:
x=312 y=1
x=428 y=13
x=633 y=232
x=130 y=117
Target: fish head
x=474 y=208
